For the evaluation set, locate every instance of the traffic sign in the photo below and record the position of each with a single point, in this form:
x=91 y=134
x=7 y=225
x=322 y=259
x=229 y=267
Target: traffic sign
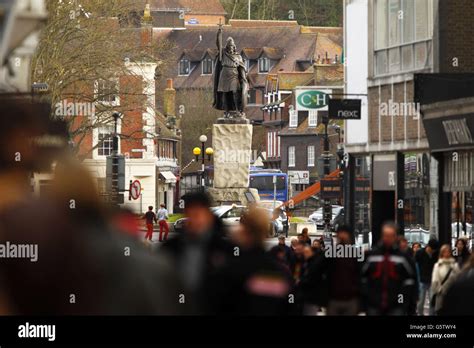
x=135 y=190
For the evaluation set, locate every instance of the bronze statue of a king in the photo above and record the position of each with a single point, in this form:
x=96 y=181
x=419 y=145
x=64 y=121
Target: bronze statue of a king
x=230 y=79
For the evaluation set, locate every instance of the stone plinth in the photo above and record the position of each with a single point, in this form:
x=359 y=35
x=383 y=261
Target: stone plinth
x=232 y=145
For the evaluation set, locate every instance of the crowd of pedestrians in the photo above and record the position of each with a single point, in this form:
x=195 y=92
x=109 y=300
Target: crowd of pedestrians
x=234 y=274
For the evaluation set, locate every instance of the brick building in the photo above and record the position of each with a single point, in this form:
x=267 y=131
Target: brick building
x=301 y=138
x=149 y=143
x=403 y=38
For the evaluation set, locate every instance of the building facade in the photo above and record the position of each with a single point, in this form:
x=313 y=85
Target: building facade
x=403 y=38
x=149 y=143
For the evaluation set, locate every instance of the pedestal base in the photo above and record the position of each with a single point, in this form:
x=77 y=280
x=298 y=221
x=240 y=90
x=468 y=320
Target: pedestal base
x=232 y=145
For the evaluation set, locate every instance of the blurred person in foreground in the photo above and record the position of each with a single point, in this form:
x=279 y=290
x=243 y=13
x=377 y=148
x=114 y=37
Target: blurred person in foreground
x=388 y=279
x=199 y=252
x=461 y=252
x=253 y=283
x=343 y=278
x=91 y=250
x=425 y=260
x=311 y=287
x=288 y=253
x=444 y=273
x=20 y=123
x=458 y=299
x=78 y=254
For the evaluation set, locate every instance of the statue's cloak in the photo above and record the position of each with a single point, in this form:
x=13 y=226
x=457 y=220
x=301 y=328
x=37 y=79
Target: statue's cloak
x=222 y=100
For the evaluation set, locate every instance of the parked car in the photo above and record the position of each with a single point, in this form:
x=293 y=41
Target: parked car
x=229 y=214
x=336 y=221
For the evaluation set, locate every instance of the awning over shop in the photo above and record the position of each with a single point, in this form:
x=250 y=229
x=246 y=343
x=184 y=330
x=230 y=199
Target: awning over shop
x=168 y=177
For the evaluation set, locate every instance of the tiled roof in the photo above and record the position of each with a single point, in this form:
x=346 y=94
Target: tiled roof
x=290 y=80
x=329 y=74
x=285 y=45
x=330 y=44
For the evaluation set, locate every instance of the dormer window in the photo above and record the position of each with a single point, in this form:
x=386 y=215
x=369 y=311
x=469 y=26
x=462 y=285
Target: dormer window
x=263 y=65
x=207 y=65
x=184 y=67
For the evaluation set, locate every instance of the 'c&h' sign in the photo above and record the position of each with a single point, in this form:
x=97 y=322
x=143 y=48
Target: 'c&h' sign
x=310 y=99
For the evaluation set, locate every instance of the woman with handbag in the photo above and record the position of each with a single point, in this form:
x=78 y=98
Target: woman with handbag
x=444 y=273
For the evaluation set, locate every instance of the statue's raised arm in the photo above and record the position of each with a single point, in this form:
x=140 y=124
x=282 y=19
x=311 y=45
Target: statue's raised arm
x=219 y=40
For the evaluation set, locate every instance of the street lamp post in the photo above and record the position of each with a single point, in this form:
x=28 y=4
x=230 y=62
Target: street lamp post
x=327 y=207
x=202 y=152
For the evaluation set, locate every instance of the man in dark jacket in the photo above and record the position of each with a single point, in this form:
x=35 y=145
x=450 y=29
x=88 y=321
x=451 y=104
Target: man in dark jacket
x=253 y=283
x=343 y=278
x=289 y=254
x=199 y=252
x=425 y=260
x=388 y=277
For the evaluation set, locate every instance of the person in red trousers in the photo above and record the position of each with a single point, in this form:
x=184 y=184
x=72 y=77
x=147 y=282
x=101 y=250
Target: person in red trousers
x=150 y=217
x=162 y=221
